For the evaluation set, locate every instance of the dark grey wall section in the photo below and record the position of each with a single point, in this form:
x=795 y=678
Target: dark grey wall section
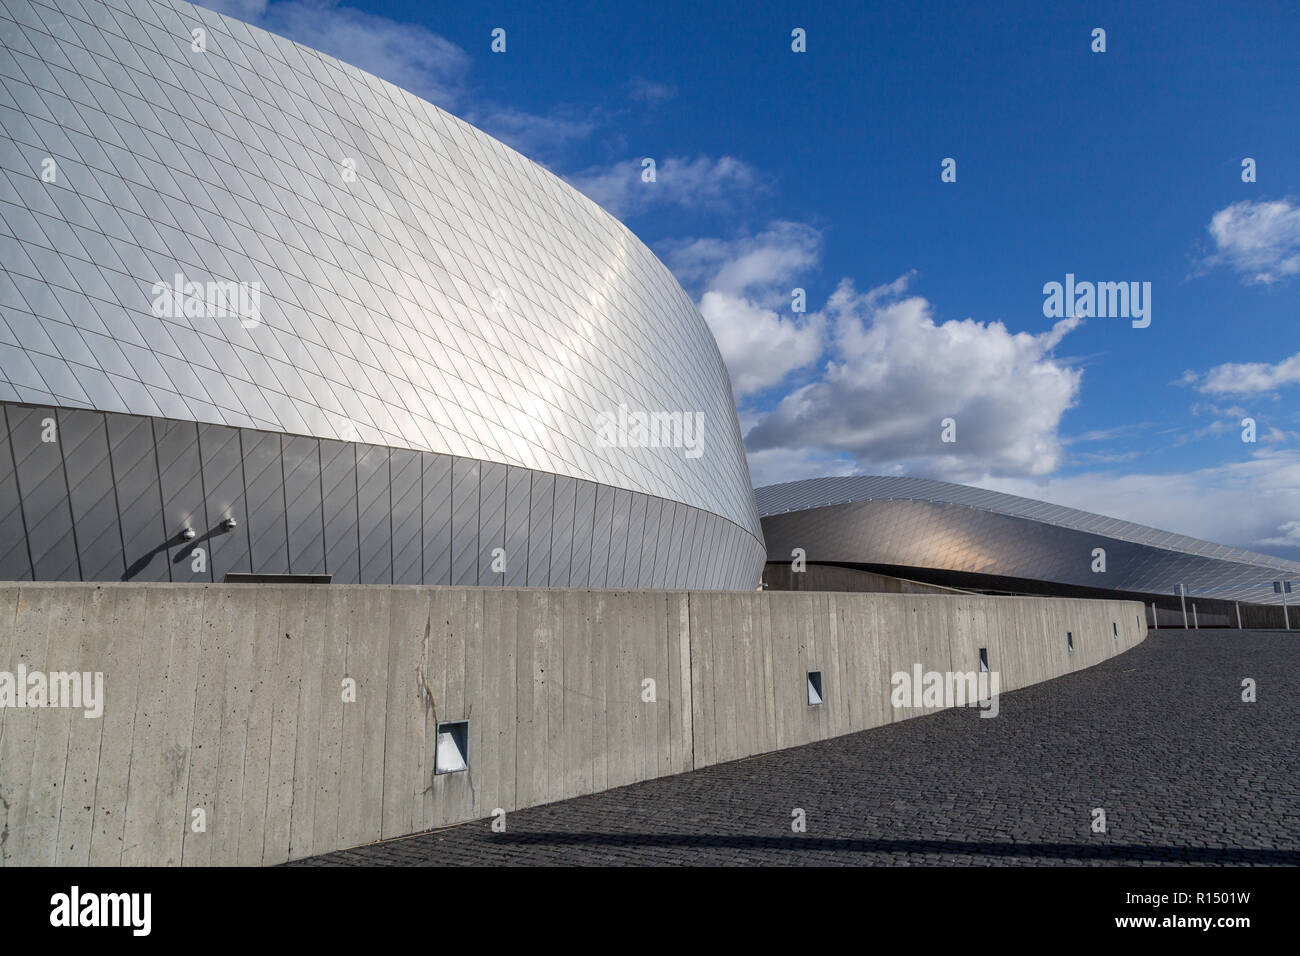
x=360 y=513
x=15 y=562
x=583 y=509
x=562 y=531
x=90 y=489
x=602 y=519
x=177 y=445
x=405 y=468
x=223 y=483
x=44 y=494
x=642 y=525
x=374 y=515
x=519 y=485
x=618 y=539
x=302 y=497
x=268 y=532
x=139 y=499
x=437 y=518
x=539 y=530
x=464 y=521
x=491 y=519
x=338 y=478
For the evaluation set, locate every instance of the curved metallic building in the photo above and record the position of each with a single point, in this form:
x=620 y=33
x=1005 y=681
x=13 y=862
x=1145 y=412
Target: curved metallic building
x=953 y=534
x=242 y=282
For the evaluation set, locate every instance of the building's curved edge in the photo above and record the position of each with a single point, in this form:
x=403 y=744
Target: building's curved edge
x=813 y=494
x=102 y=496
x=943 y=535
x=552 y=684
x=162 y=28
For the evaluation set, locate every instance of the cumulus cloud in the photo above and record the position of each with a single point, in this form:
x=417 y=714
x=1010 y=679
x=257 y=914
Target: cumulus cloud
x=894 y=374
x=416 y=59
x=406 y=54
x=1249 y=504
x=686 y=183
x=533 y=134
x=1258 y=240
x=1244 y=378
x=646 y=91
x=744 y=289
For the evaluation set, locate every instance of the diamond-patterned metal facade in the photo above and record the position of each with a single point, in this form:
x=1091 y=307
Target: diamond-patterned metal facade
x=411 y=285
x=919 y=523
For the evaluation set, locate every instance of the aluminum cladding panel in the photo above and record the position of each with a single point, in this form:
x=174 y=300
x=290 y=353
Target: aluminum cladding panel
x=354 y=265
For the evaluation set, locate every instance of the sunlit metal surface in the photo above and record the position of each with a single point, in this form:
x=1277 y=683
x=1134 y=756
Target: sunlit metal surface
x=919 y=523
x=411 y=282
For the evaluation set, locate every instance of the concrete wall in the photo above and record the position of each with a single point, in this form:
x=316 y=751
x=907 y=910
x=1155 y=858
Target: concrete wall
x=828 y=577
x=228 y=698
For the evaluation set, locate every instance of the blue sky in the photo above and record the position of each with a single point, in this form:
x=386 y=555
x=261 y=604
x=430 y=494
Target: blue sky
x=821 y=170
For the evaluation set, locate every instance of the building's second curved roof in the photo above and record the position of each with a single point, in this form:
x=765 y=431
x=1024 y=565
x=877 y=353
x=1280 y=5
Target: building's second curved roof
x=813 y=493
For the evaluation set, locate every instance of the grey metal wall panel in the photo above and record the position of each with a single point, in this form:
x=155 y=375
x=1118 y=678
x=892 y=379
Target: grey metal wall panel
x=437 y=518
x=668 y=558
x=177 y=446
x=139 y=498
x=15 y=563
x=374 y=515
x=562 y=532
x=268 y=532
x=43 y=490
x=634 y=539
x=583 y=517
x=406 y=484
x=339 y=482
x=693 y=545
x=464 y=521
x=491 y=519
x=539 y=530
x=303 y=499
x=649 y=537
x=92 y=495
x=519 y=490
x=602 y=523
x=222 y=460
x=619 y=546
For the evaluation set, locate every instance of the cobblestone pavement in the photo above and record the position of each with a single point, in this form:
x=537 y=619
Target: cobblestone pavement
x=1159 y=738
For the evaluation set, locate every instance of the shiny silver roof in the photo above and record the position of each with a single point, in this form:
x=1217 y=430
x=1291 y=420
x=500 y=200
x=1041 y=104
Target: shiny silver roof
x=1236 y=567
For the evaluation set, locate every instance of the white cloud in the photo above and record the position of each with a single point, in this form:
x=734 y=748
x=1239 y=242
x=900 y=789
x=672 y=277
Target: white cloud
x=678 y=182
x=406 y=54
x=533 y=134
x=1249 y=504
x=775 y=465
x=1258 y=240
x=1246 y=377
x=746 y=300
x=647 y=91
x=895 y=374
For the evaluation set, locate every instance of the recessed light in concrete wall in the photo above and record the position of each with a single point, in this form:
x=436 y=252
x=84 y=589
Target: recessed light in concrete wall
x=984 y=660
x=814 y=688
x=1114 y=628
x=452 y=754
x=1069 y=641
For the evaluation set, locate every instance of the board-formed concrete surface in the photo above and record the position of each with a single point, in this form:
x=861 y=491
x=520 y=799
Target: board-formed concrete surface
x=1159 y=738
x=248 y=724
